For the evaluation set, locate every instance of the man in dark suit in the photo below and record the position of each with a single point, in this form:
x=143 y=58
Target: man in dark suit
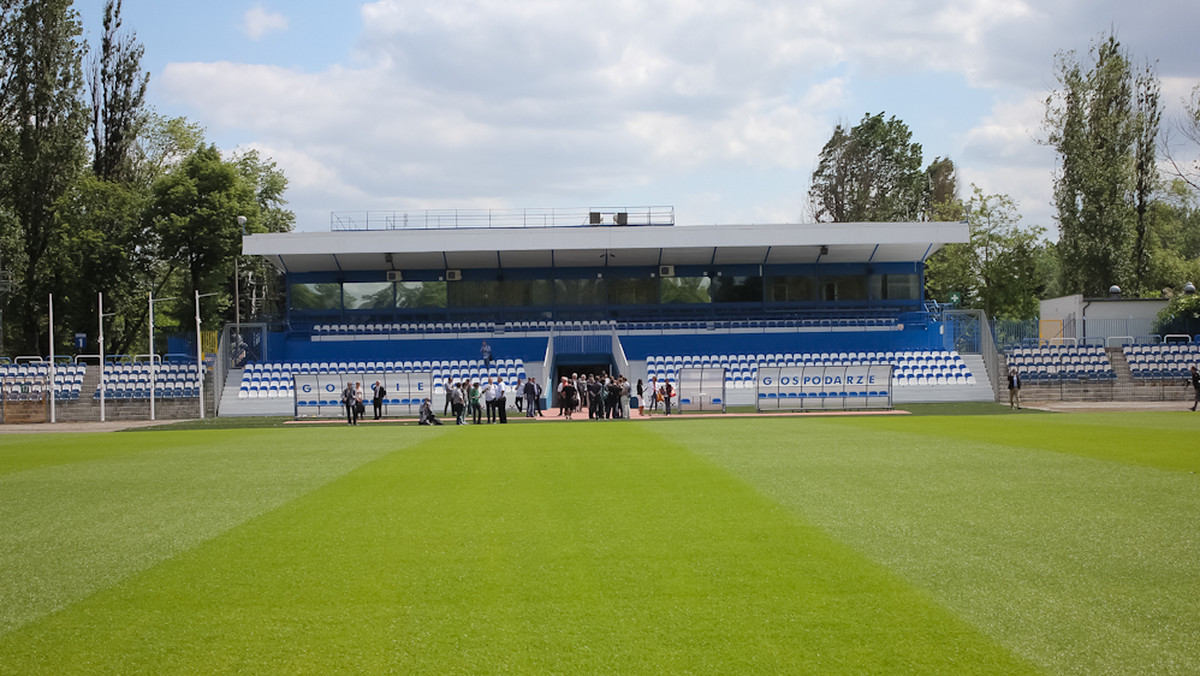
x=377 y=400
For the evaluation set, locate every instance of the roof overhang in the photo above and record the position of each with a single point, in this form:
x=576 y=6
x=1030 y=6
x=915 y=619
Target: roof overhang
x=560 y=247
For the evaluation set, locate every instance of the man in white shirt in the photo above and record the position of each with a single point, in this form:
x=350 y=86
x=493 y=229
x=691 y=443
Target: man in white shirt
x=501 y=404
x=489 y=400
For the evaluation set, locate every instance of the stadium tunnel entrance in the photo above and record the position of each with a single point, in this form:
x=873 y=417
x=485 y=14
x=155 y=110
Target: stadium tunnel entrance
x=583 y=364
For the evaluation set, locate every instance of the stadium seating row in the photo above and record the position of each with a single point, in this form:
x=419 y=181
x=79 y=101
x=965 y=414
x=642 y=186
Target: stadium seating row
x=1061 y=362
x=29 y=380
x=1168 y=361
x=132 y=381
x=272 y=380
x=423 y=328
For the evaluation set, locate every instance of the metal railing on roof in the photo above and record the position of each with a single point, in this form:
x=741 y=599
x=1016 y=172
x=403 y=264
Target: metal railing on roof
x=501 y=218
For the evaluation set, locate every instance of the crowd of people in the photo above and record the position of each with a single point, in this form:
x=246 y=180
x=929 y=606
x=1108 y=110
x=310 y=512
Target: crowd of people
x=601 y=396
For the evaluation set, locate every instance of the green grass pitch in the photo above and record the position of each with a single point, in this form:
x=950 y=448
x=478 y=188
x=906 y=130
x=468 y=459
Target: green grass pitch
x=930 y=544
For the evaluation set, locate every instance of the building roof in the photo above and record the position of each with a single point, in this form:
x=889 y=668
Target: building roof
x=603 y=246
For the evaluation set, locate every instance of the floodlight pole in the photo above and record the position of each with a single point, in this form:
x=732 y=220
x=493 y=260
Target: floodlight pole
x=100 y=312
x=200 y=350
x=51 y=317
x=237 y=296
x=150 y=295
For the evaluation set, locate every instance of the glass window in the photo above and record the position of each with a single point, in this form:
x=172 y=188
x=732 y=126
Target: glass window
x=317 y=296
x=792 y=289
x=844 y=287
x=902 y=287
x=579 y=291
x=686 y=290
x=527 y=292
x=737 y=289
x=640 y=291
x=367 y=295
x=420 y=294
x=484 y=293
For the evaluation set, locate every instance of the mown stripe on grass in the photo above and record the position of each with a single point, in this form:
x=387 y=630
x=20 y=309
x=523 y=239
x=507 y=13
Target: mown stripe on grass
x=561 y=548
x=1165 y=440
x=1082 y=565
x=111 y=505
x=23 y=452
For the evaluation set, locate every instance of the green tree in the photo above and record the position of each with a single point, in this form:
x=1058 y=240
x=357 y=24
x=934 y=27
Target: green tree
x=869 y=173
x=43 y=124
x=194 y=216
x=999 y=269
x=118 y=87
x=268 y=292
x=1102 y=122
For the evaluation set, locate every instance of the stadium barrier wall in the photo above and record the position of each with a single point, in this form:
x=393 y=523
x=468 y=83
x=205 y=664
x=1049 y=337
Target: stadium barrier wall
x=824 y=388
x=320 y=395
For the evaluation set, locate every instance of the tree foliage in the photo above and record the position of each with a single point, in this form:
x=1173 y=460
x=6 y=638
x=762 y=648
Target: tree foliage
x=1000 y=270
x=151 y=208
x=868 y=173
x=43 y=121
x=118 y=88
x=1103 y=122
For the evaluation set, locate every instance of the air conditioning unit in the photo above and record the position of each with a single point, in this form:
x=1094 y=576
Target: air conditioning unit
x=394 y=276
x=454 y=275
x=666 y=271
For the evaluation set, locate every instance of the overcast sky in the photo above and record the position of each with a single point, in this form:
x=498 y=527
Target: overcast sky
x=718 y=108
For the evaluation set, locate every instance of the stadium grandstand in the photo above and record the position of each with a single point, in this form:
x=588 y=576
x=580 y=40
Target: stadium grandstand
x=622 y=290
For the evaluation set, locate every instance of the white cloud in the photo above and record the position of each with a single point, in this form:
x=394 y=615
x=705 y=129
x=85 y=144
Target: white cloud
x=568 y=102
x=258 y=23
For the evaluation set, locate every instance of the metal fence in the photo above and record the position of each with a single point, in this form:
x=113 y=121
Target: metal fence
x=501 y=218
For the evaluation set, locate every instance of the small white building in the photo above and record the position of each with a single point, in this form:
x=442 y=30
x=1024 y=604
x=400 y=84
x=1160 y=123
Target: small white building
x=1098 y=319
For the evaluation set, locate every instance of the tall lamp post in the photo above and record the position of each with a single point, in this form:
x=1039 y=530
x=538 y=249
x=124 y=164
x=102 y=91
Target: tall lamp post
x=237 y=296
x=153 y=367
x=200 y=350
x=100 y=311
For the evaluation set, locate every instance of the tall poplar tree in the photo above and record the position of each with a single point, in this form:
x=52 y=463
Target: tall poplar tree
x=43 y=122
x=1102 y=121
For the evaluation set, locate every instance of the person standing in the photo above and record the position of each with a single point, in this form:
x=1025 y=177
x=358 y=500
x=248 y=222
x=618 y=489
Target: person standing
x=501 y=401
x=458 y=404
x=625 y=392
x=348 y=400
x=489 y=400
x=1195 y=386
x=569 y=394
x=359 y=408
x=377 y=399
x=641 y=394
x=473 y=396
x=537 y=398
x=485 y=351
x=520 y=390
x=449 y=397
x=1014 y=389
x=530 y=394
x=668 y=392
x=655 y=394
